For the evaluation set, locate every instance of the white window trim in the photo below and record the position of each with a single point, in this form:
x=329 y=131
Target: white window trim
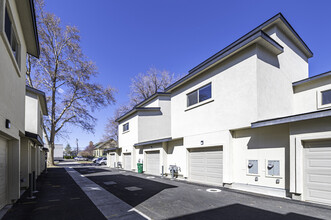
x=211 y=99
x=280 y=169
x=258 y=168
x=16 y=63
x=319 y=97
x=123 y=132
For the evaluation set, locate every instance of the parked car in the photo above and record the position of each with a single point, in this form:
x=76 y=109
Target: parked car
x=80 y=158
x=96 y=159
x=103 y=161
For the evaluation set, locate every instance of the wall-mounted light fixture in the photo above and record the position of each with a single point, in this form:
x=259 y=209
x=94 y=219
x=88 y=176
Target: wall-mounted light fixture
x=201 y=142
x=7 y=123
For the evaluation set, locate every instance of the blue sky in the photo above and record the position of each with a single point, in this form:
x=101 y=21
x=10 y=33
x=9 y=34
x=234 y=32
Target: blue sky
x=126 y=37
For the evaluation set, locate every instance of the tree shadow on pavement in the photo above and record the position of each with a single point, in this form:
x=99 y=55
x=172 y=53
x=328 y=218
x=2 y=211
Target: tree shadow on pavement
x=238 y=211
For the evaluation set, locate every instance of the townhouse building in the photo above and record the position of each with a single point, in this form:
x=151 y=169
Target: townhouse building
x=18 y=38
x=247 y=118
x=32 y=152
x=102 y=147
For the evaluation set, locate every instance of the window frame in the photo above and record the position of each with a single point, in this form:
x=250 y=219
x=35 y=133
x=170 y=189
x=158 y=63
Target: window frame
x=319 y=96
x=16 y=58
x=124 y=126
x=198 y=96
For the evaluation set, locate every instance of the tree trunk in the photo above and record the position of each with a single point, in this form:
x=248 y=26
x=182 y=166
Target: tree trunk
x=50 y=159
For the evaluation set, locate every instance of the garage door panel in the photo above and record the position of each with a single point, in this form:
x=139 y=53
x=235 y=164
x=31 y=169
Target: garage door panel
x=322 y=195
x=112 y=160
x=153 y=162
x=315 y=178
x=317 y=172
x=127 y=161
x=206 y=165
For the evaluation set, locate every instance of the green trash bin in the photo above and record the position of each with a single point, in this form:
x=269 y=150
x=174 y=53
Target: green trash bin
x=140 y=167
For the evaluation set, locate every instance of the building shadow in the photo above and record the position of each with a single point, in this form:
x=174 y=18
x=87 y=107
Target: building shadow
x=91 y=171
x=130 y=189
x=238 y=211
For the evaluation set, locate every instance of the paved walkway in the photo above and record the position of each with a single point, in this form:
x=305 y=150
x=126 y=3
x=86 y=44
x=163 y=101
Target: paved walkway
x=59 y=198
x=111 y=206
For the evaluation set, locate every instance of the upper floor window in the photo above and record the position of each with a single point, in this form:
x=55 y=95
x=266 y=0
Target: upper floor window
x=126 y=127
x=199 y=95
x=326 y=97
x=11 y=36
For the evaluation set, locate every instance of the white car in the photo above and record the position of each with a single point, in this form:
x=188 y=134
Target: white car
x=102 y=161
x=96 y=159
x=80 y=159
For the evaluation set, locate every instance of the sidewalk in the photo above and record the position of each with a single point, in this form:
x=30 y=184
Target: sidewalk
x=59 y=197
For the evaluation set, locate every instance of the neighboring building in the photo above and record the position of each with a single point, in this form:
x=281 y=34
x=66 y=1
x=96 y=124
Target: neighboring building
x=18 y=37
x=58 y=151
x=33 y=153
x=100 y=147
x=247 y=118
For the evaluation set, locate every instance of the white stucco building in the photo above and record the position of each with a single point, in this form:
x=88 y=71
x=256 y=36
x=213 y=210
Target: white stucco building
x=248 y=118
x=33 y=152
x=18 y=38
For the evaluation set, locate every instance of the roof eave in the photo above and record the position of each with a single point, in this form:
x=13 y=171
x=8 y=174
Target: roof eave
x=27 y=17
x=292 y=118
x=137 y=109
x=311 y=79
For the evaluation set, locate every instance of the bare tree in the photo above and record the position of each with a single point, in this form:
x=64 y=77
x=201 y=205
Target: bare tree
x=64 y=73
x=142 y=86
x=146 y=84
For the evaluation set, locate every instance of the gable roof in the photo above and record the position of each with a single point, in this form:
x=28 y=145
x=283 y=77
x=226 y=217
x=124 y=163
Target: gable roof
x=245 y=40
x=102 y=145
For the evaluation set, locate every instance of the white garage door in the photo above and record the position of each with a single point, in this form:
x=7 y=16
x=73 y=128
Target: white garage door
x=127 y=161
x=317 y=172
x=112 y=160
x=206 y=165
x=153 y=162
x=3 y=172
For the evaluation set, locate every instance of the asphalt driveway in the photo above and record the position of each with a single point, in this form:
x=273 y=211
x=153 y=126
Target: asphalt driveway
x=59 y=198
x=161 y=198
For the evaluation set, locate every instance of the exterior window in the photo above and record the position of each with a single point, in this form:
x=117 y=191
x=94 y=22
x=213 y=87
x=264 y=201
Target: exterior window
x=199 y=95
x=126 y=127
x=326 y=97
x=192 y=98
x=11 y=36
x=273 y=168
x=41 y=120
x=253 y=166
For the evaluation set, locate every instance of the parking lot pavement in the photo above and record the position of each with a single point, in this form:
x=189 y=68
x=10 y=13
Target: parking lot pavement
x=162 y=198
x=59 y=198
